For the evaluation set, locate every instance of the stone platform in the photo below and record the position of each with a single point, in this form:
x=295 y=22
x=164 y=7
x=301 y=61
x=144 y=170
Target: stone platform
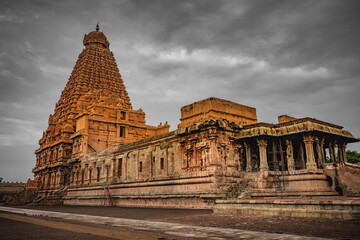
x=345 y=208
x=186 y=190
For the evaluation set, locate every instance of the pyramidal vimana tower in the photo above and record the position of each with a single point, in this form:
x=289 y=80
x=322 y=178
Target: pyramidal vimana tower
x=97 y=150
x=94 y=113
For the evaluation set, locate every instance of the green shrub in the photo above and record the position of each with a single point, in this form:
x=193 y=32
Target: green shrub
x=353 y=156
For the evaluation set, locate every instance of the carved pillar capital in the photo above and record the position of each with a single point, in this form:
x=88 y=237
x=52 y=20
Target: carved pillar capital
x=262 y=142
x=332 y=144
x=308 y=139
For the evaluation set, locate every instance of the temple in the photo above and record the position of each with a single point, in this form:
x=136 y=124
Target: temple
x=94 y=113
x=100 y=149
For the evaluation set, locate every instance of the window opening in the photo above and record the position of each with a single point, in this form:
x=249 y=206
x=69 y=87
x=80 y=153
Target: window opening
x=162 y=163
x=120 y=167
x=98 y=175
x=140 y=167
x=123 y=115
x=122 y=131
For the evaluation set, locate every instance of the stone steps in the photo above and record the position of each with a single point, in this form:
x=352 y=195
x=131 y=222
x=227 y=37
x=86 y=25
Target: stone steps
x=319 y=207
x=277 y=194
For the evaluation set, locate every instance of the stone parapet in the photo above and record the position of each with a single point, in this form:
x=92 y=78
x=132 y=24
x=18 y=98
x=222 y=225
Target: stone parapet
x=216 y=109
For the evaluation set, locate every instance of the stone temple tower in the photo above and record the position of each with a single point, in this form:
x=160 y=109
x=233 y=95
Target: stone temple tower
x=93 y=113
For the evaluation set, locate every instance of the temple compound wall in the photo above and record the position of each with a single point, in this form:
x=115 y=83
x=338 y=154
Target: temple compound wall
x=194 y=166
x=99 y=150
x=8 y=189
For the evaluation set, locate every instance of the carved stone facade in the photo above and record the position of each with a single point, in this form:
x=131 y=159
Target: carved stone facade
x=102 y=149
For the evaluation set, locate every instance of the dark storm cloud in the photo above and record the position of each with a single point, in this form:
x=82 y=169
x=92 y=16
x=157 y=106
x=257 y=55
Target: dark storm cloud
x=309 y=34
x=294 y=57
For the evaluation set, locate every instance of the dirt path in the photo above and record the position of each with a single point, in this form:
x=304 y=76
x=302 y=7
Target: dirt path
x=84 y=231
x=301 y=226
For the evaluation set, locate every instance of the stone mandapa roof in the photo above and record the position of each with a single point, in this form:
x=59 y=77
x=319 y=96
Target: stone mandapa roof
x=294 y=127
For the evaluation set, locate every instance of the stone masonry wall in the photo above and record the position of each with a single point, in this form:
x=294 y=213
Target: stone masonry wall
x=189 y=163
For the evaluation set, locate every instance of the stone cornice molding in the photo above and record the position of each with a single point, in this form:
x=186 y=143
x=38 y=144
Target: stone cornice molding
x=295 y=127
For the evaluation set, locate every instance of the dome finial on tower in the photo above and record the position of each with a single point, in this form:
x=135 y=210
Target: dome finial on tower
x=96 y=38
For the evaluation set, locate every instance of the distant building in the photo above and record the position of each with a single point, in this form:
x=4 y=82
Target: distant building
x=102 y=149
x=8 y=189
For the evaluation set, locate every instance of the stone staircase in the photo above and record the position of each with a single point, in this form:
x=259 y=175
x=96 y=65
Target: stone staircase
x=344 y=208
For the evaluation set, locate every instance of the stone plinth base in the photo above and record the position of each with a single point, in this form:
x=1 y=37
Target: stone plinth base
x=326 y=207
x=194 y=201
x=177 y=193
x=295 y=184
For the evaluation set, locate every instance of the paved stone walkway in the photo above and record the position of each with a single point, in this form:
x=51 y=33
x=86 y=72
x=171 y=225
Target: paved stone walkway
x=172 y=229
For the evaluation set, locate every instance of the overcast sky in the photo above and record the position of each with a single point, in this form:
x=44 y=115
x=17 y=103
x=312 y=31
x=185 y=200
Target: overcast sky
x=293 y=57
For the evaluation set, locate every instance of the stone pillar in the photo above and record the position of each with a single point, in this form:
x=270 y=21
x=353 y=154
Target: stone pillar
x=332 y=152
x=302 y=158
x=342 y=152
x=61 y=177
x=86 y=173
x=290 y=155
x=51 y=178
x=248 y=157
x=274 y=157
x=72 y=177
x=43 y=180
x=309 y=148
x=75 y=175
x=214 y=154
x=262 y=143
x=55 y=179
x=319 y=151
x=322 y=148
x=107 y=167
x=82 y=176
x=241 y=157
x=48 y=175
x=90 y=174
x=340 y=156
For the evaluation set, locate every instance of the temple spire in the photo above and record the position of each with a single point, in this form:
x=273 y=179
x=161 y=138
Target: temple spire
x=97 y=26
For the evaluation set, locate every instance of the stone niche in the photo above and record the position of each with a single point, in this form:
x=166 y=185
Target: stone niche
x=217 y=109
